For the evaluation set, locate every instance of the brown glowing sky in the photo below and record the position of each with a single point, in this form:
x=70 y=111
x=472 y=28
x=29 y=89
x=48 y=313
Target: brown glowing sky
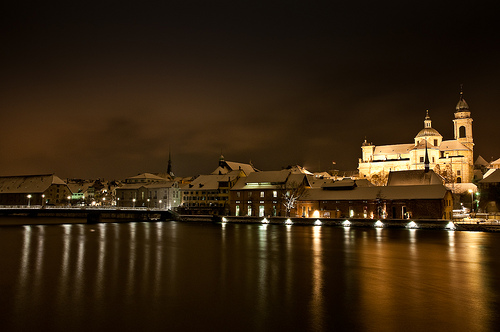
x=104 y=90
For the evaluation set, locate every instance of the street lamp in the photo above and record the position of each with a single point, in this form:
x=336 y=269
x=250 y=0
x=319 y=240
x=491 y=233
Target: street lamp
x=471 y=192
x=148 y=202
x=29 y=200
x=133 y=202
x=69 y=200
x=43 y=200
x=160 y=204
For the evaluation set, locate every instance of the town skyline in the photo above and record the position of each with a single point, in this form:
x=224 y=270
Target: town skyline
x=107 y=91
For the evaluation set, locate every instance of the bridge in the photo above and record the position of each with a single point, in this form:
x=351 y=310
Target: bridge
x=90 y=214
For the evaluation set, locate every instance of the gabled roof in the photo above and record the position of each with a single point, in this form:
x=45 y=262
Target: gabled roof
x=437 y=191
x=229 y=166
x=413 y=177
x=210 y=181
x=147 y=177
x=29 y=184
x=481 y=162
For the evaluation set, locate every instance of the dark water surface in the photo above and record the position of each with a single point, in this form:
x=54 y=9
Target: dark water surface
x=211 y=277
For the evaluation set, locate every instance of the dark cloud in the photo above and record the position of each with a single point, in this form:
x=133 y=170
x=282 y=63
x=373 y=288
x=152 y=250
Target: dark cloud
x=106 y=89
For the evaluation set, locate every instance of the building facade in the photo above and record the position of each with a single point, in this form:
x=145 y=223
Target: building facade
x=453 y=159
x=267 y=193
x=41 y=190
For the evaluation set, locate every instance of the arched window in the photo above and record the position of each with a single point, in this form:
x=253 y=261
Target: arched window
x=461 y=132
x=459 y=180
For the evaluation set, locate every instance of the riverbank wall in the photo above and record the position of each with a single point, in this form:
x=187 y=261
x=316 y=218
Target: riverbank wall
x=435 y=224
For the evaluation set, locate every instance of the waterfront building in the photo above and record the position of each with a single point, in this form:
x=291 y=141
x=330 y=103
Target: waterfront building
x=268 y=193
x=355 y=199
x=45 y=189
x=453 y=159
x=150 y=191
x=209 y=194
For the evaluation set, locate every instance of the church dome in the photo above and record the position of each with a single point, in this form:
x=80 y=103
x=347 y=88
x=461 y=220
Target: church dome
x=426 y=132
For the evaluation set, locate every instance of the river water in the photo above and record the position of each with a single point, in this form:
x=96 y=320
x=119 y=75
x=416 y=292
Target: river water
x=176 y=276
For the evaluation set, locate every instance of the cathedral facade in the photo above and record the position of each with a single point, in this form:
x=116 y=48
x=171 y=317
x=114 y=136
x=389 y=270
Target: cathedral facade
x=452 y=159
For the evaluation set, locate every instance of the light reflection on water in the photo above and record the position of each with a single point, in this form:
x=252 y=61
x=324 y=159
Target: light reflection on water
x=247 y=277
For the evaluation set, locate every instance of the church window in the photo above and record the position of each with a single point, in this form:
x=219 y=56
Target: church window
x=461 y=132
x=458 y=172
x=421 y=159
x=435 y=142
x=433 y=159
x=459 y=180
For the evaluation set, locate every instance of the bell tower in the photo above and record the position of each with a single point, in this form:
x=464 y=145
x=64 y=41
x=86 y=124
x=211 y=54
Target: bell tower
x=462 y=124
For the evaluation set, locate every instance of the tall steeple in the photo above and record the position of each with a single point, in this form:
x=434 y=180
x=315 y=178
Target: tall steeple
x=462 y=124
x=169 y=165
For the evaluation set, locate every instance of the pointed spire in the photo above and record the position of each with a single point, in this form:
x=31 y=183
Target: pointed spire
x=169 y=165
x=462 y=105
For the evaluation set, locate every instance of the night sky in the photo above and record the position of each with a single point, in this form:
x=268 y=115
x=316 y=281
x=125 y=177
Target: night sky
x=105 y=90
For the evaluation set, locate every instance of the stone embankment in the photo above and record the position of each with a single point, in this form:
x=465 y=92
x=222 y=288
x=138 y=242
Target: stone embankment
x=437 y=224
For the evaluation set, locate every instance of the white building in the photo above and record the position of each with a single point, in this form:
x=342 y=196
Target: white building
x=453 y=159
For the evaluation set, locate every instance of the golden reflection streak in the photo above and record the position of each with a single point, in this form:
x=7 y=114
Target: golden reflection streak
x=101 y=259
x=131 y=259
x=146 y=253
x=66 y=253
x=24 y=268
x=316 y=305
x=80 y=261
x=39 y=263
x=158 y=258
x=263 y=273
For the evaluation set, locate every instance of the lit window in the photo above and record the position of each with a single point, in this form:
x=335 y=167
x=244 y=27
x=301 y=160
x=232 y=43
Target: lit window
x=275 y=193
x=261 y=194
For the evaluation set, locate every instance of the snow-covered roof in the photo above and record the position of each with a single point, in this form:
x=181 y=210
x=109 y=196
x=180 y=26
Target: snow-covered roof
x=210 y=181
x=393 y=149
x=268 y=180
x=452 y=145
x=496 y=163
x=413 y=177
x=29 y=184
x=229 y=166
x=146 y=177
x=492 y=176
x=379 y=192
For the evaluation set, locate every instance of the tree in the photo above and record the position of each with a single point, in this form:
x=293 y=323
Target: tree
x=446 y=172
x=379 y=179
x=291 y=192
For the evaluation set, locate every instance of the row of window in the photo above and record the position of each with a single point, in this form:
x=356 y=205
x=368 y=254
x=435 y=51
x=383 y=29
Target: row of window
x=261 y=194
x=205 y=198
x=250 y=211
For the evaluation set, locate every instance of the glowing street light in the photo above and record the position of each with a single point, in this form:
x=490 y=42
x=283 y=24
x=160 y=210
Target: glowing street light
x=133 y=203
x=29 y=200
x=471 y=192
x=160 y=203
x=43 y=199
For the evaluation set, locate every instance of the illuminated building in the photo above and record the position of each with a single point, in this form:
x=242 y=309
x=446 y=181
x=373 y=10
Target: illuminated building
x=452 y=159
